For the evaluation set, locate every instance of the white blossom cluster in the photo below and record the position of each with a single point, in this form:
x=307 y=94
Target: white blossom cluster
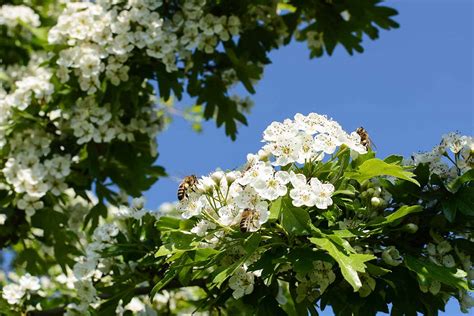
x=31 y=168
x=223 y=199
x=242 y=282
x=307 y=138
x=15 y=292
x=93 y=122
x=92 y=267
x=30 y=174
x=35 y=86
x=13 y=15
x=453 y=143
x=102 y=36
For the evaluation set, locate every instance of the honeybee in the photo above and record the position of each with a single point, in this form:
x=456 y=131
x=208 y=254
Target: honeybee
x=185 y=185
x=248 y=216
x=365 y=138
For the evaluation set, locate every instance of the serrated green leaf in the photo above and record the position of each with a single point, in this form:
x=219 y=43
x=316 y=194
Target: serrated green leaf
x=349 y=263
x=426 y=270
x=275 y=209
x=454 y=185
x=376 y=167
x=402 y=212
x=295 y=220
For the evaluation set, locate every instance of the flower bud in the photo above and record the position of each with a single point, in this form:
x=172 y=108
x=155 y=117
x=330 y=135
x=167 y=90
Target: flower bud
x=431 y=248
x=138 y=203
x=205 y=185
x=232 y=176
x=443 y=247
x=391 y=256
x=410 y=228
x=448 y=261
x=375 y=201
x=377 y=191
x=217 y=176
x=435 y=286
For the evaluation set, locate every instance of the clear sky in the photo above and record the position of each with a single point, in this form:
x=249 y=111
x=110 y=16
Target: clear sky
x=408 y=88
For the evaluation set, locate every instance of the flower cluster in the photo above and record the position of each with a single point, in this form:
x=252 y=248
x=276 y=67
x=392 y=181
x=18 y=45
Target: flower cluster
x=14 y=15
x=453 y=143
x=92 y=267
x=92 y=122
x=242 y=283
x=243 y=197
x=102 y=37
x=31 y=172
x=33 y=87
x=14 y=293
x=307 y=138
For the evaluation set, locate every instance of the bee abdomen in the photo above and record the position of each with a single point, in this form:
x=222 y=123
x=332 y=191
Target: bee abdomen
x=181 y=193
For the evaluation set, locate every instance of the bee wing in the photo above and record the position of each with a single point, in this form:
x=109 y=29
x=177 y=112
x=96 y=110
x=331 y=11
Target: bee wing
x=372 y=144
x=176 y=179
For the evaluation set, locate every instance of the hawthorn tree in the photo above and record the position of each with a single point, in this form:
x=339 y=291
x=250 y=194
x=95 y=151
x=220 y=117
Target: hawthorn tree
x=313 y=219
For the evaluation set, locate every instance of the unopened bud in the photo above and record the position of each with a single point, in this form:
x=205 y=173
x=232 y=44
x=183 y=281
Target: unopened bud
x=232 y=176
x=375 y=201
x=410 y=228
x=217 y=176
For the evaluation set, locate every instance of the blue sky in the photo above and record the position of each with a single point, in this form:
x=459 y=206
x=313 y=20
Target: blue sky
x=407 y=89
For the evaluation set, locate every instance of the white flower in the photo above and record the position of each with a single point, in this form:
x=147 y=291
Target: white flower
x=201 y=228
x=307 y=150
x=29 y=204
x=13 y=293
x=454 y=141
x=228 y=215
x=84 y=270
x=257 y=217
x=205 y=184
x=242 y=283
x=135 y=305
x=311 y=124
x=260 y=171
x=323 y=192
x=286 y=150
x=277 y=131
x=273 y=187
x=3 y=218
x=192 y=206
x=315 y=193
x=302 y=195
x=29 y=283
x=11 y=15
x=139 y=203
x=326 y=143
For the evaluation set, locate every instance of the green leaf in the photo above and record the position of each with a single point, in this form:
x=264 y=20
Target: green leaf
x=250 y=245
x=349 y=263
x=393 y=159
x=376 y=167
x=454 y=185
x=375 y=270
x=426 y=270
x=275 y=209
x=401 y=212
x=165 y=280
x=295 y=220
